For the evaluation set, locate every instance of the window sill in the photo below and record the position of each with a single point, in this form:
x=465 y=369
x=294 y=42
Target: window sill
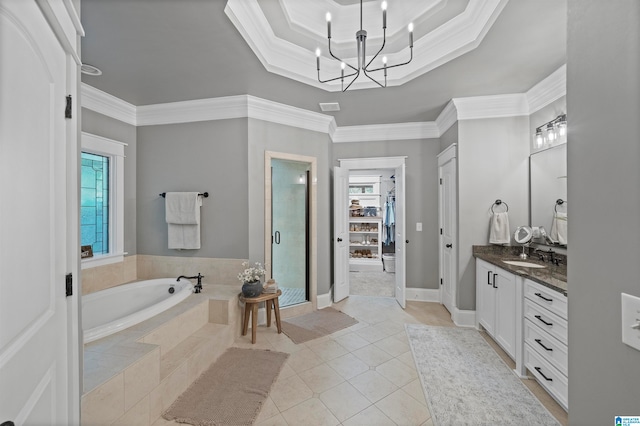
x=106 y=259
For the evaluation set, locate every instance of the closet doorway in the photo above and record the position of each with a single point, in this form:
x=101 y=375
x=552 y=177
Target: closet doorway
x=360 y=234
x=288 y=226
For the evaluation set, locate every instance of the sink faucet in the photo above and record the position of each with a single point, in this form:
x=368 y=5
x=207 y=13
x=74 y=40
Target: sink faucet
x=198 y=287
x=551 y=257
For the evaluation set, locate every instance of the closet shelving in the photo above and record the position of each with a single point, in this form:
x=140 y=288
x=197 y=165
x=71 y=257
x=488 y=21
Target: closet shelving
x=365 y=223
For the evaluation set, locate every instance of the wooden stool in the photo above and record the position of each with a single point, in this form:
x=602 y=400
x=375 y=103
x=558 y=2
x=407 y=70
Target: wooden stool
x=251 y=308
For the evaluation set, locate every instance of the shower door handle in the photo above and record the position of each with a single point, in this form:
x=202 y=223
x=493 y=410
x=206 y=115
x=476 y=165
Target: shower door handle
x=277 y=237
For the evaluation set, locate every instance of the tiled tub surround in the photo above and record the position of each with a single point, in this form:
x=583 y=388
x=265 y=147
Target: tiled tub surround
x=552 y=276
x=143 y=267
x=132 y=376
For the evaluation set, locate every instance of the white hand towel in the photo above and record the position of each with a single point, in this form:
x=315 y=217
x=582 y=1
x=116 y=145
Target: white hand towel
x=183 y=219
x=182 y=208
x=499 y=229
x=559 y=228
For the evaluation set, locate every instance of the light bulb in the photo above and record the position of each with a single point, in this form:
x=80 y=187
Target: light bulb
x=342 y=65
x=328 y=16
x=539 y=139
x=410 y=27
x=384 y=60
x=318 y=52
x=384 y=5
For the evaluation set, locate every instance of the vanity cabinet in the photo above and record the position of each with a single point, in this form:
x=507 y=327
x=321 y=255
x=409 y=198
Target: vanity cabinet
x=546 y=339
x=496 y=303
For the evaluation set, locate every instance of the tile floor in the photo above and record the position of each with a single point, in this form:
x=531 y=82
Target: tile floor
x=363 y=375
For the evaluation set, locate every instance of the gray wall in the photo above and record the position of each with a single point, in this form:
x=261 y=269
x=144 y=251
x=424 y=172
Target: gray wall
x=101 y=125
x=204 y=156
x=493 y=163
x=603 y=65
x=449 y=137
x=421 y=196
x=265 y=136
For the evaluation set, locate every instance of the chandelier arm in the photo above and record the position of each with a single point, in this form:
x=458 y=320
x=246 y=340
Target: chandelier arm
x=336 y=78
x=338 y=59
x=354 y=79
x=396 y=65
x=374 y=80
x=384 y=41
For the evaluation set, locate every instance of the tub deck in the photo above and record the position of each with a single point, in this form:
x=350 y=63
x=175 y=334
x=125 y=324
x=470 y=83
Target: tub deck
x=134 y=375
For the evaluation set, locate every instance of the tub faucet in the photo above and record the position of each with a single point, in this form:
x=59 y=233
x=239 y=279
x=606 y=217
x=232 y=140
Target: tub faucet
x=198 y=286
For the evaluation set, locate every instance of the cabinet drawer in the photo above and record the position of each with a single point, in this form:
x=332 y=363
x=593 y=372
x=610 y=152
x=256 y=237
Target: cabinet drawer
x=546 y=320
x=550 y=299
x=549 y=377
x=548 y=347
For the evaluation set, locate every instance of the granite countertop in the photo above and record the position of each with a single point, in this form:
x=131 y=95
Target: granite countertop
x=551 y=276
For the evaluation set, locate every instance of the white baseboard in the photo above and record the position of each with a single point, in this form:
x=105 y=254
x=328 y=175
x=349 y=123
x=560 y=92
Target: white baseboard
x=422 y=294
x=464 y=318
x=323 y=300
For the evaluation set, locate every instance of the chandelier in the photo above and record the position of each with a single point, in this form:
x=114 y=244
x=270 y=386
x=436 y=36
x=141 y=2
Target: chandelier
x=363 y=66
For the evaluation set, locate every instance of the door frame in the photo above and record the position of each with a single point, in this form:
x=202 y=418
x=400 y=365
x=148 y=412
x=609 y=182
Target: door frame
x=312 y=304
x=446 y=156
x=373 y=163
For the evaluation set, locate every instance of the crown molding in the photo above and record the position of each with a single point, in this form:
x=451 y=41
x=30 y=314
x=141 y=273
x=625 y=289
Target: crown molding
x=496 y=106
x=450 y=40
x=262 y=109
x=548 y=90
x=386 y=132
x=106 y=104
x=447 y=118
x=222 y=108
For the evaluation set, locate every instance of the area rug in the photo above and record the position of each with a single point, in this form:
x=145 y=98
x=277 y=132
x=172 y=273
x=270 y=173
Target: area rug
x=466 y=383
x=231 y=391
x=316 y=324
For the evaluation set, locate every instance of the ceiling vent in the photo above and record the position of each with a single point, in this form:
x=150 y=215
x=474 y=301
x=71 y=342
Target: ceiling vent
x=330 y=106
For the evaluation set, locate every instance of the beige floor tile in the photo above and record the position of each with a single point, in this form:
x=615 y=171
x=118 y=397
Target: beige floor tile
x=372 y=355
x=163 y=422
x=407 y=359
x=328 y=350
x=403 y=409
x=373 y=385
x=303 y=360
x=428 y=422
x=369 y=417
x=414 y=389
x=397 y=372
x=402 y=336
x=289 y=392
x=268 y=410
x=393 y=346
x=321 y=378
x=276 y=420
x=351 y=341
x=311 y=412
x=348 y=366
x=344 y=401
x=372 y=334
x=286 y=372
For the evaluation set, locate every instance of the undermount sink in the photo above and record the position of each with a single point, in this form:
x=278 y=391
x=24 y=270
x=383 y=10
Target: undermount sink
x=525 y=264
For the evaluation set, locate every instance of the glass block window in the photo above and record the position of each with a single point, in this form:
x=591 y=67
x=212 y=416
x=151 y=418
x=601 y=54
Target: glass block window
x=94 y=203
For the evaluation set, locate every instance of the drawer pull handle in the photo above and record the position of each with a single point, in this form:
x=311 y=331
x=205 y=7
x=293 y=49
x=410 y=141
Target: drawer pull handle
x=494 y=280
x=541 y=344
x=489 y=277
x=543 y=298
x=539 y=370
x=543 y=321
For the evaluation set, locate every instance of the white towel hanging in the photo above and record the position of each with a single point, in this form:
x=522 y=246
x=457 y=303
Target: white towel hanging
x=499 y=229
x=183 y=219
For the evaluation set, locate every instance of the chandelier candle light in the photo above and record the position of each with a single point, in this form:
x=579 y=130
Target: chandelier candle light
x=363 y=66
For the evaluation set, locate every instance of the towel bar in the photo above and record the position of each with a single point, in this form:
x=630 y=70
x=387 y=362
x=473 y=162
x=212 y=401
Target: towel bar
x=204 y=194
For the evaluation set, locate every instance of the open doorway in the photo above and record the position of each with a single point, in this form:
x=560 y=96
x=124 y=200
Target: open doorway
x=372 y=207
x=359 y=227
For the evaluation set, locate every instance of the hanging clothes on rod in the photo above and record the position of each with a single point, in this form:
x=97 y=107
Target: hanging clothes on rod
x=389 y=219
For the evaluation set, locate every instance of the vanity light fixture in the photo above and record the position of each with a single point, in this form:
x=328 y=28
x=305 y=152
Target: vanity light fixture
x=361 y=41
x=551 y=133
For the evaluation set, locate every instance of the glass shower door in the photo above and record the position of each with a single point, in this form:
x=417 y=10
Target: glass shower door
x=290 y=230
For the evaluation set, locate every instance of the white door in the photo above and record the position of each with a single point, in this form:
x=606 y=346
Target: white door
x=39 y=348
x=340 y=233
x=401 y=242
x=448 y=249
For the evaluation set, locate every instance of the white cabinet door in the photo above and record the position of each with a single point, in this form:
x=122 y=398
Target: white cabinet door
x=341 y=234
x=505 y=325
x=485 y=296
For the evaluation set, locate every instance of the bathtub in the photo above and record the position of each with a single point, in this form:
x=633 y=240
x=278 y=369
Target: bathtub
x=109 y=311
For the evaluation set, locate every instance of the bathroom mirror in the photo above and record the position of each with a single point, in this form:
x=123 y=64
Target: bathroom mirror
x=548 y=188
